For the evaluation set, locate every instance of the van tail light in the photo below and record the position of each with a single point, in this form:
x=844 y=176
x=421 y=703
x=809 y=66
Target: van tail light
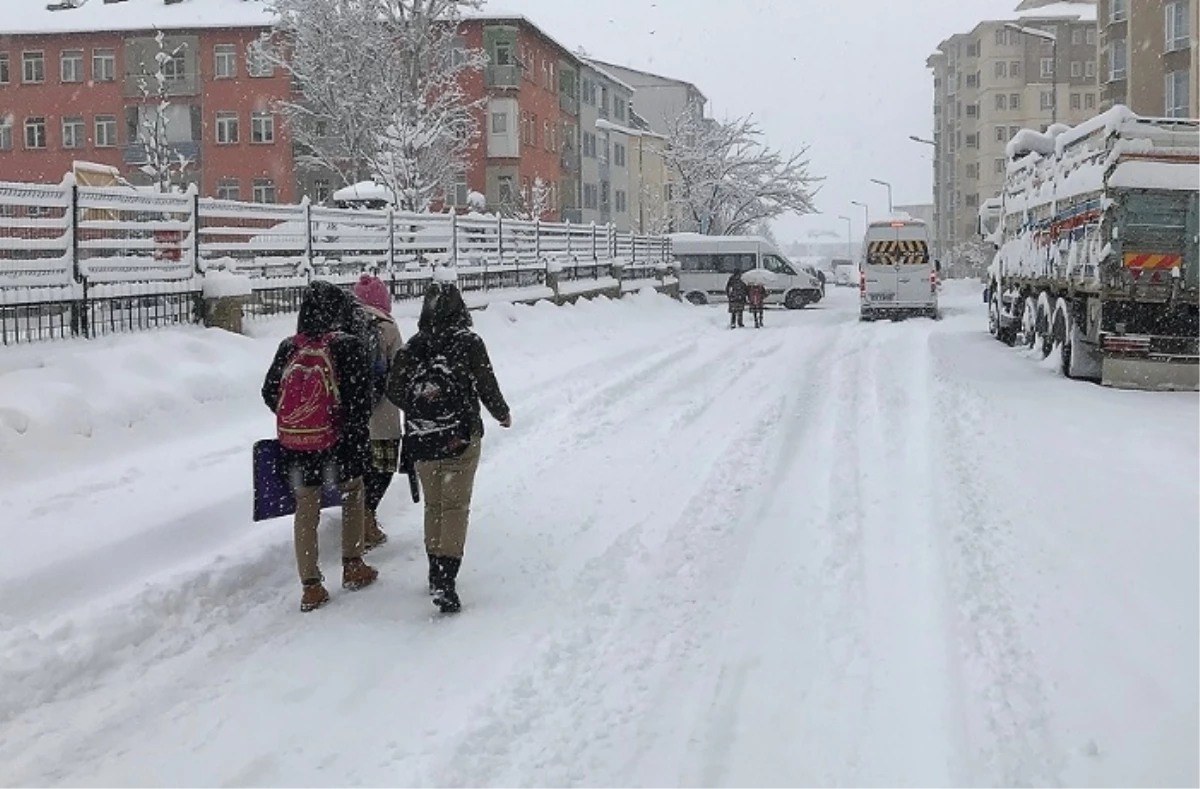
x=933 y=282
x=862 y=283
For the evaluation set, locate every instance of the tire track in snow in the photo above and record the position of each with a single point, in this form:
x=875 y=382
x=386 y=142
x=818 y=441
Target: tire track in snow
x=1013 y=743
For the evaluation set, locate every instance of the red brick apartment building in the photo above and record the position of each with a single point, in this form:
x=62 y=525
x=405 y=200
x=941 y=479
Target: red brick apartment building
x=72 y=76
x=71 y=88
x=530 y=122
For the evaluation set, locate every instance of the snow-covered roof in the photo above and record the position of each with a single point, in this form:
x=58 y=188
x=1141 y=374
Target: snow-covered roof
x=32 y=17
x=608 y=75
x=606 y=125
x=1085 y=11
x=675 y=80
x=499 y=15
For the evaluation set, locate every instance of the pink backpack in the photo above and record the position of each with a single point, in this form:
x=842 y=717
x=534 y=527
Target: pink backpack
x=308 y=417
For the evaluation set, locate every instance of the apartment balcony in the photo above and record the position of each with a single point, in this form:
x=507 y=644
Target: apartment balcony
x=568 y=104
x=569 y=160
x=503 y=76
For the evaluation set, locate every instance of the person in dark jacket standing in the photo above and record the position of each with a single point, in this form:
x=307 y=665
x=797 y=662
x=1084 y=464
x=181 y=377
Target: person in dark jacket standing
x=737 y=292
x=444 y=340
x=323 y=312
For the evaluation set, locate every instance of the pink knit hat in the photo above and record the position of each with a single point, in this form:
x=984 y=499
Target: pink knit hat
x=372 y=292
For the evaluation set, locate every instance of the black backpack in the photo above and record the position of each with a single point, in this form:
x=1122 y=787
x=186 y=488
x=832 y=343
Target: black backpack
x=437 y=404
x=365 y=327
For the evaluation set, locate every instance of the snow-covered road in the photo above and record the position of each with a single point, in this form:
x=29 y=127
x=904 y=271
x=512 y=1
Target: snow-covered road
x=821 y=553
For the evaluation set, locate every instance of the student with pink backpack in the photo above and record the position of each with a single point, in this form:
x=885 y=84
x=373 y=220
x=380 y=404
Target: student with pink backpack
x=320 y=388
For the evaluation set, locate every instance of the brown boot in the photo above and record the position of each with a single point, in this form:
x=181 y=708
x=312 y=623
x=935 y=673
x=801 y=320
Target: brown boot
x=313 y=597
x=356 y=574
x=373 y=536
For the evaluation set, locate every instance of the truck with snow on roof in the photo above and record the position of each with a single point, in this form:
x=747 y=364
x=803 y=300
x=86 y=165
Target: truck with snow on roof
x=1097 y=233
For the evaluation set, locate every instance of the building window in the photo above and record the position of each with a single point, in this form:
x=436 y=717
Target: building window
x=1001 y=69
x=499 y=123
x=229 y=189
x=972 y=110
x=619 y=106
x=998 y=165
x=547 y=142
x=590 y=196
x=973 y=50
x=1116 y=66
x=1177 y=25
x=174 y=66
x=456 y=192
x=6 y=133
x=1177 y=104
x=258 y=62
x=264 y=190
x=225 y=61
x=262 y=128
x=1091 y=36
x=1076 y=69
x=1047 y=68
x=618 y=154
x=71 y=65
x=972 y=140
x=972 y=201
x=621 y=203
x=1076 y=101
x=1014 y=101
x=1013 y=131
x=1014 y=69
x=33 y=67
x=104 y=65
x=1001 y=101
x=321 y=191
x=1089 y=101
x=1047 y=99
x=1089 y=69
x=227 y=128
x=972 y=170
x=1119 y=10
x=1001 y=38
x=972 y=80
x=503 y=53
x=106 y=131
x=35 y=133
x=5 y=69
x=1077 y=36
x=1001 y=134
x=505 y=183
x=72 y=133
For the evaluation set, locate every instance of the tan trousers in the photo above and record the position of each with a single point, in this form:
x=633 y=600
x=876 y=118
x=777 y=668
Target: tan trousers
x=308 y=517
x=447 y=486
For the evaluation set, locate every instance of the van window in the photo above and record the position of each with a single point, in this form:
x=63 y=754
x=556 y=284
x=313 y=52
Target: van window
x=778 y=265
x=718 y=263
x=892 y=253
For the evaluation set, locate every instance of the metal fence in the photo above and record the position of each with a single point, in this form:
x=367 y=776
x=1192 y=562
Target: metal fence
x=78 y=261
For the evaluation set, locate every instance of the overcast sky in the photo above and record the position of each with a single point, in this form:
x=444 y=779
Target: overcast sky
x=846 y=77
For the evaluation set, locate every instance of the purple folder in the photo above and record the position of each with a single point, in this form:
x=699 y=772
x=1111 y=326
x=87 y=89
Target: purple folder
x=273 y=497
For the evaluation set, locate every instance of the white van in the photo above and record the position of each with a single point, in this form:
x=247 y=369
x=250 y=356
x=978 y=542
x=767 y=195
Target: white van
x=898 y=275
x=705 y=263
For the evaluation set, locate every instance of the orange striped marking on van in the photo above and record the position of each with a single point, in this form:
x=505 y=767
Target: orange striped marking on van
x=1143 y=262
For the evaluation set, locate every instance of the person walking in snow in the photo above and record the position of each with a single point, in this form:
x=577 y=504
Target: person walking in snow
x=318 y=387
x=736 y=292
x=438 y=380
x=383 y=341
x=756 y=297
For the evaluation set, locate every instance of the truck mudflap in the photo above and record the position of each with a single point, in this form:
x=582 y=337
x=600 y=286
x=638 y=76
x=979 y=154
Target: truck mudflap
x=1155 y=375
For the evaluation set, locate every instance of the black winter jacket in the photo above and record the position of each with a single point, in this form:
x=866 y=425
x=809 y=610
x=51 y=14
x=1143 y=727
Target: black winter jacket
x=326 y=309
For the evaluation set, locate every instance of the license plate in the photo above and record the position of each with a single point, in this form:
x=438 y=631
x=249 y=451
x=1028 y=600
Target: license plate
x=882 y=296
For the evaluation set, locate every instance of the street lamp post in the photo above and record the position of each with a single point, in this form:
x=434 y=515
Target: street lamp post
x=937 y=196
x=866 y=211
x=1044 y=35
x=891 y=209
x=849 y=237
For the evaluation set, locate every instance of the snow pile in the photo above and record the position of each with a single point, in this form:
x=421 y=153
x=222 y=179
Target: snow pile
x=760 y=276
x=445 y=274
x=220 y=283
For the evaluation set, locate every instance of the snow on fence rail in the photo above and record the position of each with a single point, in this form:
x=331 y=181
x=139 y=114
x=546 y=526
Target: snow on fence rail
x=85 y=261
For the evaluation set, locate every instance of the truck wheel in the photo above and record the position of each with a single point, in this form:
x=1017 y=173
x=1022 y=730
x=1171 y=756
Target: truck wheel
x=994 y=317
x=697 y=298
x=794 y=300
x=1060 y=333
x=1045 y=314
x=1029 y=323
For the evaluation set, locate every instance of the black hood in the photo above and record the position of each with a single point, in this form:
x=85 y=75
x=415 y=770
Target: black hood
x=325 y=308
x=443 y=309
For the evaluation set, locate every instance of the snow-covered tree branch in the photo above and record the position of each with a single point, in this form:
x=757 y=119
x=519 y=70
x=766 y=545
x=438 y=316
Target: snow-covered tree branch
x=729 y=181
x=163 y=161
x=533 y=203
x=381 y=93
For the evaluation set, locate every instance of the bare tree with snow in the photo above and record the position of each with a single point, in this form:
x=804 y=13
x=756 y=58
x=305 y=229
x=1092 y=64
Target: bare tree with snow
x=164 y=163
x=533 y=203
x=381 y=90
x=727 y=179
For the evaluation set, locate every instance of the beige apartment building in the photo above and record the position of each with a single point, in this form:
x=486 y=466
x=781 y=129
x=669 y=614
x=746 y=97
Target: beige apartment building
x=993 y=81
x=1148 y=56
